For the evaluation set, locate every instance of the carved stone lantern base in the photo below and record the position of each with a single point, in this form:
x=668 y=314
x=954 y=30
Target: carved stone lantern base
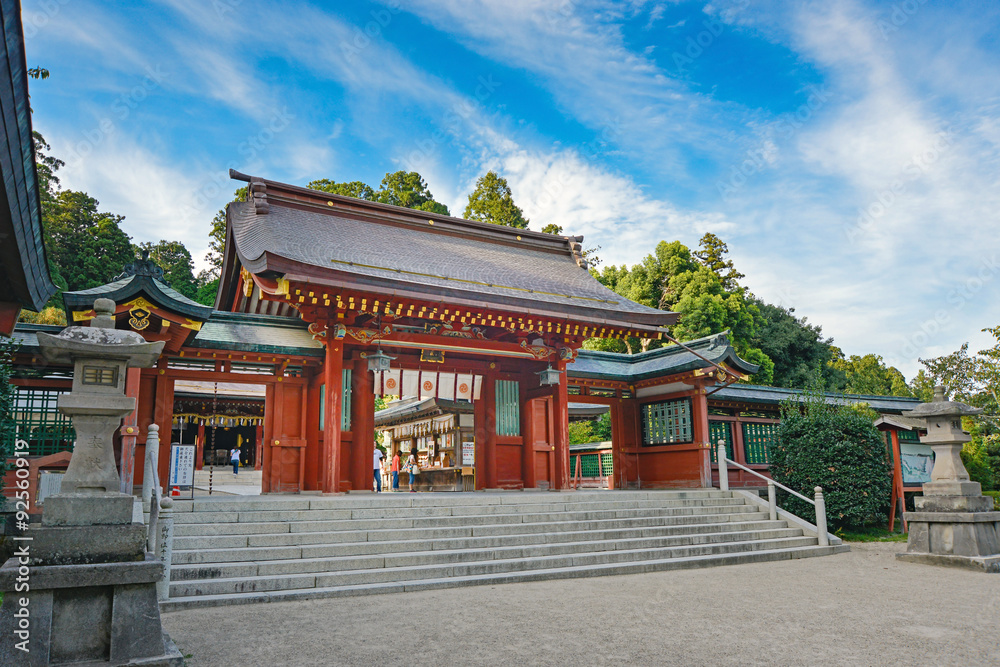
x=954 y=524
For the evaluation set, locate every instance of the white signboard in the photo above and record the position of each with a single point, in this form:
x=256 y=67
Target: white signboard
x=468 y=452
x=181 y=465
x=49 y=484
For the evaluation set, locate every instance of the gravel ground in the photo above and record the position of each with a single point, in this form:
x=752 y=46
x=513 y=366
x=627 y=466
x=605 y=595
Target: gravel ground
x=860 y=608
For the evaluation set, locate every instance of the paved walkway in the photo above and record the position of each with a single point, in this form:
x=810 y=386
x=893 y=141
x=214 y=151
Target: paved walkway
x=860 y=608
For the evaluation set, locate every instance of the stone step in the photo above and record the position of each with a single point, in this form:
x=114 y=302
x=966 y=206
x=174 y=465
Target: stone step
x=636 y=567
x=393 y=535
x=372 y=574
x=190 y=530
x=310 y=522
x=392 y=512
x=371 y=500
x=319 y=560
x=335 y=540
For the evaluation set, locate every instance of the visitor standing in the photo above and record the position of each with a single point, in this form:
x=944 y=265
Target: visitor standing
x=234 y=458
x=394 y=468
x=377 y=470
x=412 y=468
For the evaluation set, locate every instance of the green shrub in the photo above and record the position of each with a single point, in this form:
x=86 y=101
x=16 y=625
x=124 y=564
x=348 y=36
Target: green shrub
x=976 y=461
x=996 y=498
x=839 y=449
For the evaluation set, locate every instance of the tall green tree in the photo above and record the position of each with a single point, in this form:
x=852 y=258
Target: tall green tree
x=493 y=202
x=409 y=190
x=398 y=188
x=87 y=246
x=673 y=279
x=800 y=353
x=177 y=265
x=355 y=189
x=868 y=374
x=713 y=253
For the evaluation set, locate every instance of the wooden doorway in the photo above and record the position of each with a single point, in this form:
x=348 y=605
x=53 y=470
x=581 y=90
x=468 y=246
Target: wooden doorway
x=541 y=435
x=284 y=457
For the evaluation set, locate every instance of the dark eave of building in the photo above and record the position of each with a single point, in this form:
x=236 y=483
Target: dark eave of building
x=412 y=409
x=668 y=360
x=262 y=334
x=345 y=243
x=24 y=271
x=141 y=278
x=760 y=395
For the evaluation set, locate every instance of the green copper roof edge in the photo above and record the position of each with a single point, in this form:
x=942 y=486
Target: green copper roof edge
x=251 y=347
x=159 y=293
x=826 y=394
x=247 y=318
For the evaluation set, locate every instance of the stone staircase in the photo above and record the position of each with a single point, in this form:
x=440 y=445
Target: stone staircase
x=235 y=551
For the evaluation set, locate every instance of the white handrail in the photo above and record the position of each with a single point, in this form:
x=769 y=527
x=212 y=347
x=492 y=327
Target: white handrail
x=768 y=479
x=822 y=537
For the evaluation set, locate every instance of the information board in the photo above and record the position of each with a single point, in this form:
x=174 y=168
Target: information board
x=49 y=484
x=468 y=452
x=181 y=465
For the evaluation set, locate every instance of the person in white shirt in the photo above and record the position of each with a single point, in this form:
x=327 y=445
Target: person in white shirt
x=234 y=458
x=377 y=470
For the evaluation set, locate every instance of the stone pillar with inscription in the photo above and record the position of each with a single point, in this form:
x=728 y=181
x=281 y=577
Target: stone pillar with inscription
x=954 y=524
x=92 y=595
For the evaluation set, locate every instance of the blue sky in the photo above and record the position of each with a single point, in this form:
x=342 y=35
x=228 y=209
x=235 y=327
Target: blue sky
x=846 y=151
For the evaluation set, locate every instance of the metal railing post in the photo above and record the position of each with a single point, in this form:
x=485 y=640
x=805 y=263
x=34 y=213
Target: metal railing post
x=822 y=536
x=772 y=501
x=723 y=469
x=165 y=545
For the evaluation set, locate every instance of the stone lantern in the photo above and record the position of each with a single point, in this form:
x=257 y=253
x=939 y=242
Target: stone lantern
x=954 y=524
x=92 y=585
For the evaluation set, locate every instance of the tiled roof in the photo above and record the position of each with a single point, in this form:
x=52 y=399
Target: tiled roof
x=24 y=335
x=775 y=395
x=257 y=333
x=141 y=278
x=223 y=331
x=408 y=409
x=663 y=361
x=345 y=242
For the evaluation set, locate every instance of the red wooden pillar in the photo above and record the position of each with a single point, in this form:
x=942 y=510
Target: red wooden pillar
x=481 y=430
x=527 y=380
x=259 y=453
x=129 y=433
x=330 y=454
x=699 y=423
x=897 y=495
x=199 y=451
x=163 y=416
x=489 y=464
x=560 y=417
x=271 y=406
x=362 y=425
